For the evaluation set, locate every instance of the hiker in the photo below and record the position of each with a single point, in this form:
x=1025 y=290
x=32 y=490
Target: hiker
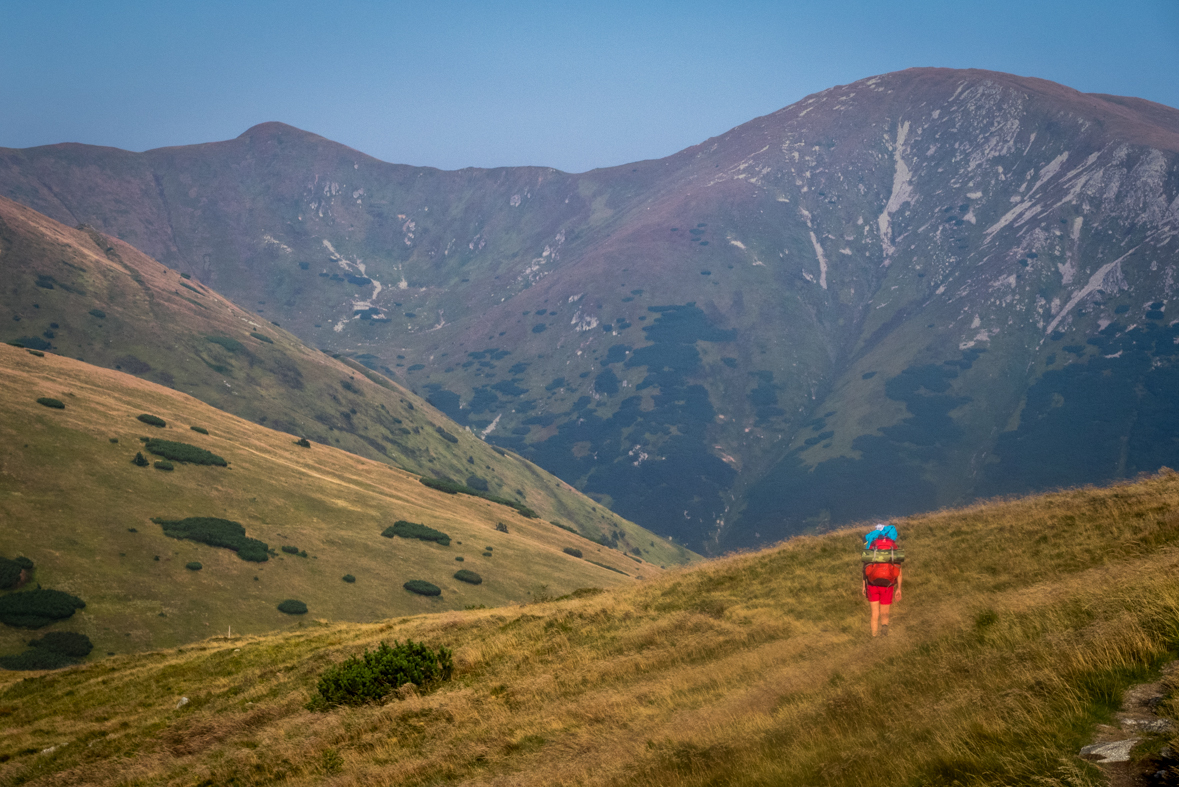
x=882 y=575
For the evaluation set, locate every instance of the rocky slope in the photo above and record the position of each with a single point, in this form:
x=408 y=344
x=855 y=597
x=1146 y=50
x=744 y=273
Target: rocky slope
x=897 y=294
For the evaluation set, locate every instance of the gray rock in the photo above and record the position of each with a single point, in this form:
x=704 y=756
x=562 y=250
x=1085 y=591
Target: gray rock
x=1114 y=751
x=182 y=703
x=1160 y=726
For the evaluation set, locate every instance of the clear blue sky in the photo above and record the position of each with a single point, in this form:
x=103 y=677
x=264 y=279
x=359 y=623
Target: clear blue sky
x=569 y=85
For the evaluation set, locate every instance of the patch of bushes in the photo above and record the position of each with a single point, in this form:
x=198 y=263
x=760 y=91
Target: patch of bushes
x=216 y=532
x=10 y=571
x=33 y=609
x=470 y=577
x=447 y=436
x=422 y=587
x=376 y=675
x=67 y=643
x=193 y=566
x=164 y=464
x=302 y=442
x=232 y=345
x=416 y=530
x=262 y=337
x=501 y=527
x=151 y=420
x=565 y=527
x=292 y=550
x=572 y=551
x=36 y=659
x=140 y=460
x=459 y=558
x=37 y=353
x=608 y=568
x=49 y=401
x=199 y=429
x=99 y=313
x=183 y=452
x=293 y=607
x=454 y=488
x=349 y=578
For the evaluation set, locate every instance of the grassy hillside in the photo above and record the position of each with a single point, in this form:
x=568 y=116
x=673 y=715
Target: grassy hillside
x=73 y=502
x=1022 y=622
x=79 y=293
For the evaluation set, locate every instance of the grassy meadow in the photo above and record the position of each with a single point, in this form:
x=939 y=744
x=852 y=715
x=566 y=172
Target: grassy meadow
x=1021 y=623
x=72 y=501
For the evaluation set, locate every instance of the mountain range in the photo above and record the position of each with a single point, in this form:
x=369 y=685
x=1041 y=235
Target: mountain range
x=907 y=292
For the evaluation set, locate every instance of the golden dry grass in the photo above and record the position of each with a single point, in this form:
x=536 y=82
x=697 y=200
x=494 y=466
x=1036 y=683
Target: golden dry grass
x=1021 y=623
x=69 y=499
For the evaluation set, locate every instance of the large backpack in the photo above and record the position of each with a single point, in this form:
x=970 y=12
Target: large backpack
x=880 y=546
x=881 y=574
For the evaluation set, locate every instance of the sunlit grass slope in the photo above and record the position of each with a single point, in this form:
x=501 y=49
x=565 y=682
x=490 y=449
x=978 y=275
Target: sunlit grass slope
x=1022 y=622
x=88 y=296
x=72 y=501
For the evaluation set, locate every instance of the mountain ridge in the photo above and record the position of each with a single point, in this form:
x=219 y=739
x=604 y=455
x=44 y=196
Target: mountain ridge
x=852 y=241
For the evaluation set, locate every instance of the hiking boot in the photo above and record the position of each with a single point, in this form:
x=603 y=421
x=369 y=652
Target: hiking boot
x=884 y=630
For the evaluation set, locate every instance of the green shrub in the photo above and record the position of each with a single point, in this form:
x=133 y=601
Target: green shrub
x=470 y=577
x=164 y=464
x=36 y=659
x=290 y=550
x=140 y=460
x=232 y=345
x=193 y=566
x=447 y=436
x=185 y=276
x=37 y=353
x=376 y=675
x=501 y=527
x=199 y=429
x=216 y=533
x=183 y=452
x=293 y=607
x=453 y=488
x=565 y=527
x=33 y=609
x=608 y=568
x=23 y=562
x=349 y=578
x=99 y=313
x=262 y=337
x=575 y=552
x=422 y=587
x=67 y=643
x=303 y=442
x=48 y=401
x=416 y=530
x=114 y=440
x=459 y=558
x=9 y=573
x=151 y=420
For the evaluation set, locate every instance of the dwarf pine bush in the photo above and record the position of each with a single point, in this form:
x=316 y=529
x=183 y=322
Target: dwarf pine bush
x=574 y=551
x=416 y=530
x=290 y=550
x=37 y=659
x=376 y=675
x=470 y=577
x=302 y=442
x=193 y=566
x=216 y=533
x=183 y=452
x=199 y=429
x=151 y=420
x=34 y=609
x=164 y=464
x=49 y=401
x=349 y=578
x=422 y=587
x=293 y=607
x=140 y=460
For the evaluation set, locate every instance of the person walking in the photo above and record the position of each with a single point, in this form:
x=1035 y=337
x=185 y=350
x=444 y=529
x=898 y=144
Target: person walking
x=882 y=580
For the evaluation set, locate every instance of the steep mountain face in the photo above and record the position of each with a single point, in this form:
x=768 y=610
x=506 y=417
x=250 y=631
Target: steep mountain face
x=76 y=292
x=893 y=295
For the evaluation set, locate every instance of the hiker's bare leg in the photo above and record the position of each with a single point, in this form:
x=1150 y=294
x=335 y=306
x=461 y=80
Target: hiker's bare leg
x=884 y=610
x=875 y=617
